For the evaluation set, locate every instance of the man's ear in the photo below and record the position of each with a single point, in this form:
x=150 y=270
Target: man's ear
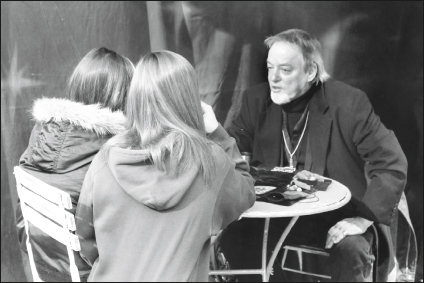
x=313 y=70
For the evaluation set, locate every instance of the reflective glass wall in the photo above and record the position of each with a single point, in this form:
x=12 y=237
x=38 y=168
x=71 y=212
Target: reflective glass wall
x=374 y=46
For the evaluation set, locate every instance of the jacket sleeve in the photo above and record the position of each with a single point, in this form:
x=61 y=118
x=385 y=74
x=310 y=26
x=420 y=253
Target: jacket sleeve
x=386 y=163
x=237 y=193
x=84 y=221
x=242 y=129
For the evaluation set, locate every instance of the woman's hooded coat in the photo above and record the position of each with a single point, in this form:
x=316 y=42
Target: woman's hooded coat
x=66 y=137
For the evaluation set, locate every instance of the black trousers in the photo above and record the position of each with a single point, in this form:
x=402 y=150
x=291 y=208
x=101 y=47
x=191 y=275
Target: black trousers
x=350 y=260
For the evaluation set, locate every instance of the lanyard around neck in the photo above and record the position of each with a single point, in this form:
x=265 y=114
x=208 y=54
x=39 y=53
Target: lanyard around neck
x=291 y=154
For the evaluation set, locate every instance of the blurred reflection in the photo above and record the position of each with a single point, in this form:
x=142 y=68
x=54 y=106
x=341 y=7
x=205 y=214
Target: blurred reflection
x=215 y=41
x=14 y=83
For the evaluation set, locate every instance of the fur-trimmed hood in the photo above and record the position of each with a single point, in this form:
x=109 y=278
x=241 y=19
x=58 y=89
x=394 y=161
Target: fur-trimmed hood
x=67 y=135
x=102 y=121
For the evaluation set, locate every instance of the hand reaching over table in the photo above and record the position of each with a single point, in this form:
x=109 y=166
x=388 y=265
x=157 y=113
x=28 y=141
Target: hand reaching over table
x=306 y=175
x=308 y=180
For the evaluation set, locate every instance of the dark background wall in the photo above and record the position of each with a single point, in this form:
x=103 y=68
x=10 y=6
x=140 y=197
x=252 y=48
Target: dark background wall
x=375 y=46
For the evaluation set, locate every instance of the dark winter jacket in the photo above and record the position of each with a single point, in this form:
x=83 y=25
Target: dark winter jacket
x=66 y=137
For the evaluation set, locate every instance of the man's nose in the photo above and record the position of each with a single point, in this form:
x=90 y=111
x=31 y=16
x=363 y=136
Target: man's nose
x=275 y=76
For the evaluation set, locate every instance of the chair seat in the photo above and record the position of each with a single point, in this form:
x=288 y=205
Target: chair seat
x=307 y=249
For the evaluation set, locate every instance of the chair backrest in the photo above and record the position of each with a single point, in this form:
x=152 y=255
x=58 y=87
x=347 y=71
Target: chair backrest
x=45 y=207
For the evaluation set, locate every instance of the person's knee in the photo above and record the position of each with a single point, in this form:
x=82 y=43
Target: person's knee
x=353 y=251
x=351 y=258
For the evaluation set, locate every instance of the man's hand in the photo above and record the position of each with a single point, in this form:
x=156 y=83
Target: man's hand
x=348 y=226
x=306 y=175
x=209 y=117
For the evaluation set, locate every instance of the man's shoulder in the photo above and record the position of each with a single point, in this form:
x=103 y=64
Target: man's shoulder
x=337 y=87
x=340 y=92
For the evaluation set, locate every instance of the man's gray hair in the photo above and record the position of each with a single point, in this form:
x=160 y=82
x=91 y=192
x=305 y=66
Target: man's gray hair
x=309 y=46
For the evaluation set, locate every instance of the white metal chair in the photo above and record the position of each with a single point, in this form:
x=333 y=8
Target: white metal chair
x=44 y=206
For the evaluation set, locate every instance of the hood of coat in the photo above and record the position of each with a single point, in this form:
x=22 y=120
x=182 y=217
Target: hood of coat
x=68 y=134
x=156 y=189
x=93 y=118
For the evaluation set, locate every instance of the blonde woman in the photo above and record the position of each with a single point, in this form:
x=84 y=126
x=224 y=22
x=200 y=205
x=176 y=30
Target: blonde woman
x=156 y=193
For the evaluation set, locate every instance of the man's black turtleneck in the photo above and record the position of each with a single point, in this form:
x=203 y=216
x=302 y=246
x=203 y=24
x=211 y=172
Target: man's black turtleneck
x=294 y=119
x=299 y=104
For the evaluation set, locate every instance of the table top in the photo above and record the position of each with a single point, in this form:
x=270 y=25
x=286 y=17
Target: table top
x=336 y=196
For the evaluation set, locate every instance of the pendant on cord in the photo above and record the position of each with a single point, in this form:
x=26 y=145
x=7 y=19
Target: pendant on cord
x=291 y=168
x=286 y=169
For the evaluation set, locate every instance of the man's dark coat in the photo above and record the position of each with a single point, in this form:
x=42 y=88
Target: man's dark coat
x=344 y=135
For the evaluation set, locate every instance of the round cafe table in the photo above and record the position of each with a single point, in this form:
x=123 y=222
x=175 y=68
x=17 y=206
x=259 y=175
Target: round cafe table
x=336 y=196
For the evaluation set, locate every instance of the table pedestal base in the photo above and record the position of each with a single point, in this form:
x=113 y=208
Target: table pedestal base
x=265 y=271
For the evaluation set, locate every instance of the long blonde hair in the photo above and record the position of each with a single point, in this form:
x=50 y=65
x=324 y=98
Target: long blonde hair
x=164 y=115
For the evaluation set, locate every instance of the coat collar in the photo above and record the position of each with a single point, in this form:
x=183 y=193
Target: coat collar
x=92 y=117
x=318 y=133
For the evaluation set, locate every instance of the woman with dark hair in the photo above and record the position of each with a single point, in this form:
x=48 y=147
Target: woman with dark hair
x=156 y=193
x=64 y=140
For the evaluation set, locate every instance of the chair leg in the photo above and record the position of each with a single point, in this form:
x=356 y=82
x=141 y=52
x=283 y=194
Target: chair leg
x=35 y=276
x=299 y=257
x=375 y=251
x=284 y=258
